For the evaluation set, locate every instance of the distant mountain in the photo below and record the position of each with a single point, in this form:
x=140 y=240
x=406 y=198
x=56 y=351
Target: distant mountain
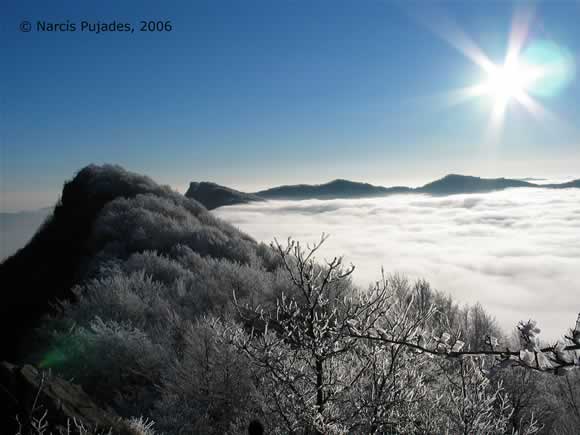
x=569 y=184
x=335 y=189
x=531 y=179
x=18 y=227
x=213 y=195
x=454 y=184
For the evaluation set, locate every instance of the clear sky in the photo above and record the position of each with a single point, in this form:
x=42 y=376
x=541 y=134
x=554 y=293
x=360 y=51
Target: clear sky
x=258 y=93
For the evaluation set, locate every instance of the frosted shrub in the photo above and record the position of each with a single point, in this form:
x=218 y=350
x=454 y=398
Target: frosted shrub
x=147 y=222
x=141 y=426
x=158 y=267
x=210 y=388
x=134 y=298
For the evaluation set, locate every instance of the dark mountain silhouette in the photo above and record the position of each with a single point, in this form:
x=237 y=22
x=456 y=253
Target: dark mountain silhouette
x=454 y=184
x=335 y=189
x=213 y=195
x=568 y=185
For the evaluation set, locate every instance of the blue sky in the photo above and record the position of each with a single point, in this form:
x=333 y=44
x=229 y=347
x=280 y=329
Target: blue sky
x=258 y=93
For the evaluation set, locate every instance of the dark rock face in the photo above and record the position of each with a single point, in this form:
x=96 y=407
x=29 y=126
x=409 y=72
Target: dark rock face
x=213 y=195
x=24 y=389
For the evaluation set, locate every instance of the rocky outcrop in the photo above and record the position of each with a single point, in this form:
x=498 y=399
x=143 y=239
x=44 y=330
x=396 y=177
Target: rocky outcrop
x=29 y=393
x=213 y=195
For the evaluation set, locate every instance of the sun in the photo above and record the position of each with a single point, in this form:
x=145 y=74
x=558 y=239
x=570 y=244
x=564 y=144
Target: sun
x=531 y=69
x=510 y=81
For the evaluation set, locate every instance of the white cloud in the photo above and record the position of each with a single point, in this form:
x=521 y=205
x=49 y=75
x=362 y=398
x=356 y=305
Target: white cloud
x=516 y=251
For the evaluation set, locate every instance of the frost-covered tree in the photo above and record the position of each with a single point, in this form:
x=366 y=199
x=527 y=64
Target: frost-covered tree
x=337 y=362
x=473 y=404
x=305 y=341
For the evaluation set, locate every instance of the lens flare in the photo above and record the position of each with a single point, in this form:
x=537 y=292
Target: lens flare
x=53 y=358
x=557 y=64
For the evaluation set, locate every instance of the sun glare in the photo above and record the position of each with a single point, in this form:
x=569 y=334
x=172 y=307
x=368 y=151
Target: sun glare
x=533 y=68
x=509 y=81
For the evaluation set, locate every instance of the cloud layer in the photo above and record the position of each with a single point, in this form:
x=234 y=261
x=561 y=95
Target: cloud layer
x=516 y=251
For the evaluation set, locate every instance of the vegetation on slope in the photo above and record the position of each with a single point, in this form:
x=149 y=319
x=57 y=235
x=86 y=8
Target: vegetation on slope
x=101 y=208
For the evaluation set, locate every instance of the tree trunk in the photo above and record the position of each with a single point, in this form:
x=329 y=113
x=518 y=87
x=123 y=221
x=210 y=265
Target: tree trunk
x=319 y=389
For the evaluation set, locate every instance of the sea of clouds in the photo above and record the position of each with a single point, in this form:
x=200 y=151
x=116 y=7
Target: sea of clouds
x=516 y=251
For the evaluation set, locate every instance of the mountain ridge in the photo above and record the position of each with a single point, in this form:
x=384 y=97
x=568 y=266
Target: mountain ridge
x=339 y=188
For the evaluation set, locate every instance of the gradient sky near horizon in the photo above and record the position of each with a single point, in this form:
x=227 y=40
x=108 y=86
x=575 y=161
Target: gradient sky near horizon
x=258 y=93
